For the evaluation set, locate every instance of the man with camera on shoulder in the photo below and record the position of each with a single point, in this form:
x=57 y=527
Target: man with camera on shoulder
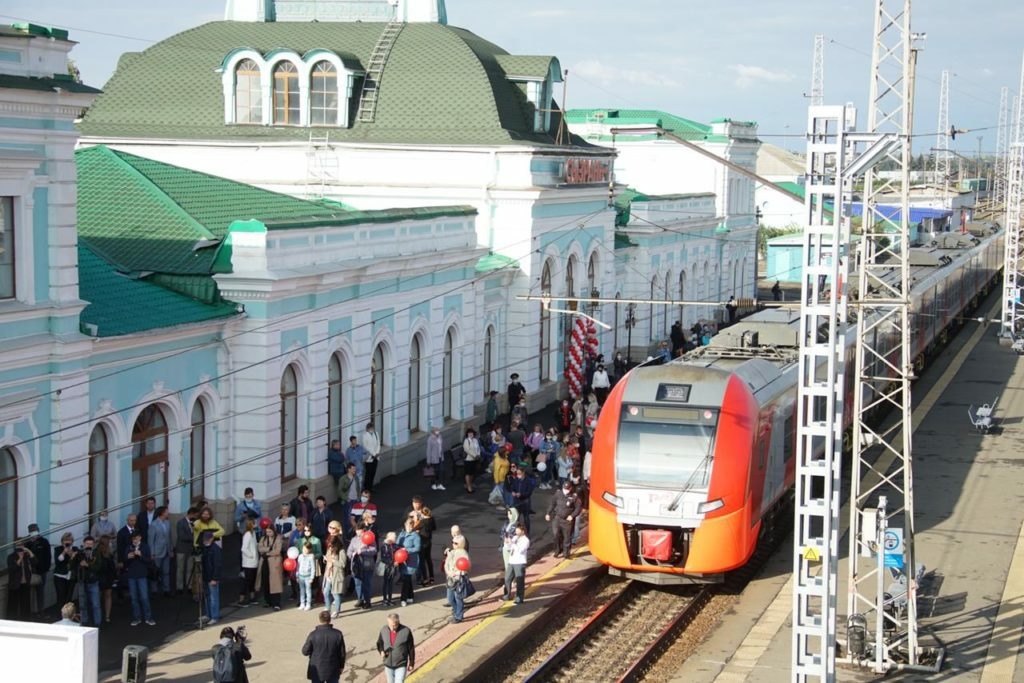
x=229 y=656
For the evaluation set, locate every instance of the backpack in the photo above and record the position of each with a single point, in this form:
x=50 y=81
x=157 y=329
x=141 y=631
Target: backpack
x=224 y=664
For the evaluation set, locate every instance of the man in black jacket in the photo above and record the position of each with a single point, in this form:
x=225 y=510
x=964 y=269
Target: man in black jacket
x=564 y=508
x=325 y=647
x=213 y=567
x=397 y=649
x=40 y=548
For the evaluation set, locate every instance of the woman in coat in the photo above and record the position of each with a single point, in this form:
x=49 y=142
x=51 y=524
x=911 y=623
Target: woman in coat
x=425 y=527
x=334 y=575
x=269 y=574
x=453 y=577
x=250 y=561
x=435 y=456
x=409 y=539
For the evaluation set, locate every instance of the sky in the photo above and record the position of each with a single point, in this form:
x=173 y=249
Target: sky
x=740 y=59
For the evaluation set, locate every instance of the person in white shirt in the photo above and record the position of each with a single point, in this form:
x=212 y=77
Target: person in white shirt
x=371 y=444
x=250 y=560
x=601 y=384
x=517 y=546
x=471 y=450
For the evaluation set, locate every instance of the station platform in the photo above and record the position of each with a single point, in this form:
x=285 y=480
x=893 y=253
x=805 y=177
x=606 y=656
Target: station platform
x=969 y=535
x=179 y=652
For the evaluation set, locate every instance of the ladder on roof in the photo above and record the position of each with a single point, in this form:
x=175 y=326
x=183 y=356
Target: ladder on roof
x=375 y=71
x=321 y=165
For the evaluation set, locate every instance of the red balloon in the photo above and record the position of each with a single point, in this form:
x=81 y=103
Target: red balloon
x=462 y=564
x=368 y=538
x=265 y=523
x=401 y=555
x=289 y=564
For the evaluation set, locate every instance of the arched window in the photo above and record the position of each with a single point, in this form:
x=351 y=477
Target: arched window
x=567 y=320
x=488 y=359
x=197 y=445
x=286 y=94
x=415 y=390
x=682 y=296
x=289 y=423
x=334 y=386
x=149 y=453
x=8 y=497
x=653 y=308
x=248 y=93
x=448 y=376
x=665 y=312
x=323 y=95
x=592 y=280
x=545 y=324
x=99 y=450
x=377 y=391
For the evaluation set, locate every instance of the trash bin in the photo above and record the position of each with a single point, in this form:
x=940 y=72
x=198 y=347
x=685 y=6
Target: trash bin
x=133 y=664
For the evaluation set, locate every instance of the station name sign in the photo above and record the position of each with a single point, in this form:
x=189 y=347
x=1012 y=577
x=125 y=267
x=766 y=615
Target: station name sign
x=586 y=170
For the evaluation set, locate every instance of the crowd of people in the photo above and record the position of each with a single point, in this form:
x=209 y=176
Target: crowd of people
x=310 y=556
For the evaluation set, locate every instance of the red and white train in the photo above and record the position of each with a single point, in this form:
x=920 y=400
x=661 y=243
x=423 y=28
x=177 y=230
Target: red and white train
x=691 y=458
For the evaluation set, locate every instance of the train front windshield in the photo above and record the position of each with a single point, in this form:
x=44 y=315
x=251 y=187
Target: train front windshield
x=665 y=447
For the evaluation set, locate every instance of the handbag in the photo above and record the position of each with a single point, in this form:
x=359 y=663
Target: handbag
x=35 y=580
x=465 y=587
x=429 y=471
x=381 y=568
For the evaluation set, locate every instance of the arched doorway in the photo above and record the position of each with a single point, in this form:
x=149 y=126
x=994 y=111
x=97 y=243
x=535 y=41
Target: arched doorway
x=545 y=324
x=8 y=497
x=99 y=451
x=448 y=376
x=488 y=359
x=415 y=388
x=197 y=446
x=335 y=385
x=149 y=453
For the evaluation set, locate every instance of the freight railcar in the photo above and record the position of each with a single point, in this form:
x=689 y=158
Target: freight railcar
x=694 y=458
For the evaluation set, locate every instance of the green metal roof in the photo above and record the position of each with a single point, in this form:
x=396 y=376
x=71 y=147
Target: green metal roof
x=120 y=305
x=53 y=84
x=441 y=85
x=641 y=117
x=625 y=200
x=528 y=66
x=491 y=262
x=795 y=188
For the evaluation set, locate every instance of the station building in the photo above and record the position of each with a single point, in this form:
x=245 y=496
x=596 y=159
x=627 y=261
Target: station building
x=688 y=224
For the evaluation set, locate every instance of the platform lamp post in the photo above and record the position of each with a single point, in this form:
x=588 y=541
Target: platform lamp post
x=630 y=323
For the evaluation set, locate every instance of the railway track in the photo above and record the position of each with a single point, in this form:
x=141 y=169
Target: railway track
x=622 y=639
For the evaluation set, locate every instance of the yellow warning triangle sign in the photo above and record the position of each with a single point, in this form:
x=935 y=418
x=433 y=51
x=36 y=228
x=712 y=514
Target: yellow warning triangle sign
x=811 y=554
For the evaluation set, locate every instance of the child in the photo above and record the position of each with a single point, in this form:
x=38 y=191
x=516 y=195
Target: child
x=386 y=568
x=305 y=573
x=564 y=462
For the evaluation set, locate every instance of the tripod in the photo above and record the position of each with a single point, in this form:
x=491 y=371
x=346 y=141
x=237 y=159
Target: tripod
x=195 y=584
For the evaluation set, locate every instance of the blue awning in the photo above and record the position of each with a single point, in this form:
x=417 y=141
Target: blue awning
x=892 y=213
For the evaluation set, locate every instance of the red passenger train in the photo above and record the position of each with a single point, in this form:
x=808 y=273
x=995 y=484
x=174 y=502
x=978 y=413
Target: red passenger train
x=692 y=459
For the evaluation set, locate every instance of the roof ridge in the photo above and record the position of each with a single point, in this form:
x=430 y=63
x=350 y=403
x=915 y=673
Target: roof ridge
x=155 y=190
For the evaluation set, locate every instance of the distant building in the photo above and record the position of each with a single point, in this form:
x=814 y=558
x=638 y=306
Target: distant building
x=787 y=170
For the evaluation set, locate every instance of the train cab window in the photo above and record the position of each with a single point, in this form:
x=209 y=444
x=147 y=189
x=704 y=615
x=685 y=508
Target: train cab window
x=660 y=448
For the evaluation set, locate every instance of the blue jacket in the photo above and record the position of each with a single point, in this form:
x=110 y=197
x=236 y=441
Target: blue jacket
x=524 y=487
x=410 y=540
x=243 y=509
x=213 y=562
x=160 y=538
x=335 y=462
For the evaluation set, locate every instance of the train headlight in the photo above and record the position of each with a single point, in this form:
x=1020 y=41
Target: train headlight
x=710 y=506
x=613 y=499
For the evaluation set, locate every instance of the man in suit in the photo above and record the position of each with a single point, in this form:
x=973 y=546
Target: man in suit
x=184 y=536
x=325 y=647
x=124 y=536
x=160 y=546
x=146 y=516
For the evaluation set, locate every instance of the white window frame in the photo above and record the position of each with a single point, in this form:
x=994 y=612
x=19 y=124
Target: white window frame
x=18 y=181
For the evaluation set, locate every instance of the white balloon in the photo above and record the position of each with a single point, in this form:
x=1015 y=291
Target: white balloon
x=293 y=552
x=541 y=466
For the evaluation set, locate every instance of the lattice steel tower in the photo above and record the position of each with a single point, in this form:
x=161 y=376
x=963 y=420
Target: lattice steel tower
x=818 y=72
x=1002 y=146
x=1013 y=267
x=941 y=154
x=884 y=366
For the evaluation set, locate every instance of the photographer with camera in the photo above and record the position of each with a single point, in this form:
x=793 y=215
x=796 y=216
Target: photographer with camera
x=137 y=562
x=64 y=566
x=229 y=656
x=20 y=566
x=87 y=564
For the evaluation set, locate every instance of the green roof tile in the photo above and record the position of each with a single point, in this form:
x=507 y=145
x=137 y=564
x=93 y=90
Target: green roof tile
x=490 y=262
x=120 y=305
x=58 y=81
x=441 y=85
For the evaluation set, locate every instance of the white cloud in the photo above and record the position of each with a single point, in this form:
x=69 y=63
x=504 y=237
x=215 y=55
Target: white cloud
x=548 y=13
x=608 y=75
x=747 y=76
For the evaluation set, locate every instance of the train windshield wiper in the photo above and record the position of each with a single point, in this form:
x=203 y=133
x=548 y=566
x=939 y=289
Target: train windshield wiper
x=674 y=505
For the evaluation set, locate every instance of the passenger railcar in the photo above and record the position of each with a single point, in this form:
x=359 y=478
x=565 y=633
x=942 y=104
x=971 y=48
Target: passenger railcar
x=692 y=459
